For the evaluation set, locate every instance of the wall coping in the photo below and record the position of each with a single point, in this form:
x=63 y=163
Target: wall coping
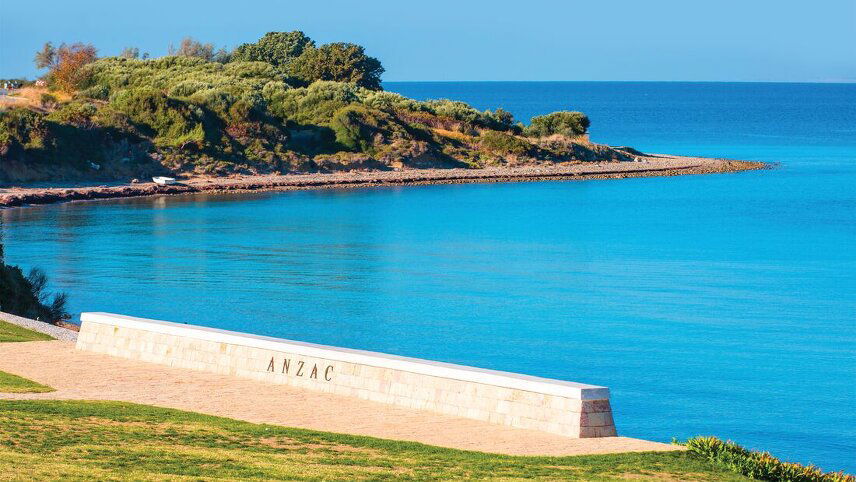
x=577 y=391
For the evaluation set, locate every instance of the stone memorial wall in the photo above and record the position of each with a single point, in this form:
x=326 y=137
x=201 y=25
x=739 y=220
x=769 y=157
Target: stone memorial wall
x=555 y=406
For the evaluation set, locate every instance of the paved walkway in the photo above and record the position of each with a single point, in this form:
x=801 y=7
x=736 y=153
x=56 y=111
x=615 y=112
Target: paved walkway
x=90 y=376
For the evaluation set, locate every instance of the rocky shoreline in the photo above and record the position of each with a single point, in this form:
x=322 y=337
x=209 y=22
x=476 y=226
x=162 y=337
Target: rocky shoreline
x=645 y=166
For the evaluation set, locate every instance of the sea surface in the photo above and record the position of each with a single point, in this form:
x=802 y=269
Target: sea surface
x=719 y=304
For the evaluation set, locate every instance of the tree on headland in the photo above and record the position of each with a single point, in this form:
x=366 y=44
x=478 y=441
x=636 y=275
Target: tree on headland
x=339 y=62
x=65 y=63
x=67 y=74
x=45 y=57
x=130 y=53
x=565 y=123
x=190 y=47
x=275 y=48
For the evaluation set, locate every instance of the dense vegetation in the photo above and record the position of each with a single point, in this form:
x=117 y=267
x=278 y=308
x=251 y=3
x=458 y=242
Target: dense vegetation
x=108 y=440
x=27 y=295
x=278 y=105
x=759 y=465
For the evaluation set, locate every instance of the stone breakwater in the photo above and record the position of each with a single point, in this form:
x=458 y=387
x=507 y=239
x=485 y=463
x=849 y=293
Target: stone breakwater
x=648 y=166
x=521 y=401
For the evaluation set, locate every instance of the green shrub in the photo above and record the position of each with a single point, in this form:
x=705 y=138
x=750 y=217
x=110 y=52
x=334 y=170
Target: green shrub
x=339 y=62
x=759 y=465
x=504 y=144
x=388 y=101
x=455 y=110
x=170 y=61
x=358 y=128
x=315 y=104
x=501 y=119
x=564 y=123
x=47 y=100
x=20 y=129
x=100 y=92
x=108 y=118
x=77 y=113
x=186 y=88
x=252 y=70
x=275 y=48
x=174 y=123
x=183 y=75
x=460 y=112
x=217 y=100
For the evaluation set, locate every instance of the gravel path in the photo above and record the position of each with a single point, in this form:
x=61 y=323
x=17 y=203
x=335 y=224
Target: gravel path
x=57 y=332
x=91 y=376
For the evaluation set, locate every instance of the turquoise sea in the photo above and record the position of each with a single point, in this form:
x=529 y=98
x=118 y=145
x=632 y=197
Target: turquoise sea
x=719 y=304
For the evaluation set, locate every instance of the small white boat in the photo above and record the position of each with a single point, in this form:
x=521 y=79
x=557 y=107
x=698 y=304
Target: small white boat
x=163 y=181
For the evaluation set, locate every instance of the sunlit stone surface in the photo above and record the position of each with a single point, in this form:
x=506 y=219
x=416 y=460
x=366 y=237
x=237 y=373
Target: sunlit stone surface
x=555 y=406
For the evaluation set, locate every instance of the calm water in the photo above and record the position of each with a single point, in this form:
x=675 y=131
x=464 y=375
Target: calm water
x=709 y=305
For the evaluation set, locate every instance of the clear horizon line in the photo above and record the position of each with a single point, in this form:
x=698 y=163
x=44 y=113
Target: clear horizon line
x=840 y=81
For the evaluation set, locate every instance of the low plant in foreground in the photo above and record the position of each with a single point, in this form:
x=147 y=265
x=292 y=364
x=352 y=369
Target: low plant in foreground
x=759 y=465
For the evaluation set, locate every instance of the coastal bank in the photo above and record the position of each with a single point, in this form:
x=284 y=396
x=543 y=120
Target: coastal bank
x=654 y=165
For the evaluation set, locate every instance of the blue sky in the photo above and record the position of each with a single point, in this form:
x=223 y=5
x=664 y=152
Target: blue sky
x=726 y=40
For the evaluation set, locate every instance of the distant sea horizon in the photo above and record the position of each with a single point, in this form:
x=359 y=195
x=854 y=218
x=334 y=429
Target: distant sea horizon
x=835 y=81
x=709 y=305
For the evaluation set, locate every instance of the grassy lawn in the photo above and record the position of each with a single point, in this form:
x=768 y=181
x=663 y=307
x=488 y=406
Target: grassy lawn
x=14 y=384
x=108 y=440
x=10 y=332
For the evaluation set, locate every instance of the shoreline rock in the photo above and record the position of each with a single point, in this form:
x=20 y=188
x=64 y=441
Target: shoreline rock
x=646 y=166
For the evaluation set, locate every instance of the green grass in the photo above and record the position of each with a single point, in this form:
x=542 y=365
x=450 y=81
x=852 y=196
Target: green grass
x=14 y=384
x=109 y=441
x=10 y=332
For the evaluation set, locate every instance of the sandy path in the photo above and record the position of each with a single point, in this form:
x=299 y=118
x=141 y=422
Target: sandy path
x=90 y=376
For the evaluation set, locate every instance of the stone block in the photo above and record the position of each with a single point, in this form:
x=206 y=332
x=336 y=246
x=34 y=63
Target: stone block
x=595 y=406
x=591 y=432
x=596 y=419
